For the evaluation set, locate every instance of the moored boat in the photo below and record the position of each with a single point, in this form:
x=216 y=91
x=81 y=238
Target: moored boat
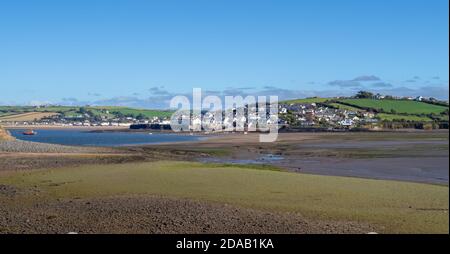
x=29 y=133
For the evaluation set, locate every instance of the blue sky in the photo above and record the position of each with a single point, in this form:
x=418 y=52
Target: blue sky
x=140 y=53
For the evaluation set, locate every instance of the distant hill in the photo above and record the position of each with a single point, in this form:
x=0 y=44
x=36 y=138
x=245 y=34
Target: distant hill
x=398 y=106
x=29 y=116
x=386 y=109
x=12 y=112
x=135 y=112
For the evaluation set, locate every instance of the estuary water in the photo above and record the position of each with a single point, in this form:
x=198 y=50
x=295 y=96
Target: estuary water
x=89 y=138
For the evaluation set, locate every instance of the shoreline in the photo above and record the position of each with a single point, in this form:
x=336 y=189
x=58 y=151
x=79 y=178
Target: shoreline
x=43 y=127
x=306 y=130
x=415 y=156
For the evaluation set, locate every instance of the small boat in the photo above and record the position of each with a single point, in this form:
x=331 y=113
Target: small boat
x=29 y=133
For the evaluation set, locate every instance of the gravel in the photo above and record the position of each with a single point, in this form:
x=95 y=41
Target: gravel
x=26 y=155
x=144 y=214
x=20 y=146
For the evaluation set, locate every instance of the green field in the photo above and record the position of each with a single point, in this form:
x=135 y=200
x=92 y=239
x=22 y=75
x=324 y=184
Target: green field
x=444 y=118
x=400 y=106
x=344 y=107
x=6 y=114
x=69 y=111
x=306 y=100
x=24 y=109
x=135 y=112
x=396 y=117
x=393 y=207
x=29 y=116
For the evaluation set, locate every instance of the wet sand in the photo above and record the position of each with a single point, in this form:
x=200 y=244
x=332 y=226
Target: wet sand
x=417 y=157
x=425 y=170
x=403 y=156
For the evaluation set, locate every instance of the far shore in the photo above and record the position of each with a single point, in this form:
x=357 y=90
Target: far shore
x=123 y=128
x=118 y=128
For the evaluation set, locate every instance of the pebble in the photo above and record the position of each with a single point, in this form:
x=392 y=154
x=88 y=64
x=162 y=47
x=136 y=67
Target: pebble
x=35 y=147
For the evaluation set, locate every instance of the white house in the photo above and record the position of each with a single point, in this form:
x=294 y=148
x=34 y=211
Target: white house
x=346 y=122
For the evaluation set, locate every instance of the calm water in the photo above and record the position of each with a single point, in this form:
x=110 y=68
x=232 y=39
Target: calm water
x=86 y=138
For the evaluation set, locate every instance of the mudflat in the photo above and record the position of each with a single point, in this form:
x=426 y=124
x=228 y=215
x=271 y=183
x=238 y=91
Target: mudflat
x=383 y=206
x=404 y=156
x=159 y=215
x=230 y=184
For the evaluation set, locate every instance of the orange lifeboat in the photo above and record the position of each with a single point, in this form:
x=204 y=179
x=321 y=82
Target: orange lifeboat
x=29 y=133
